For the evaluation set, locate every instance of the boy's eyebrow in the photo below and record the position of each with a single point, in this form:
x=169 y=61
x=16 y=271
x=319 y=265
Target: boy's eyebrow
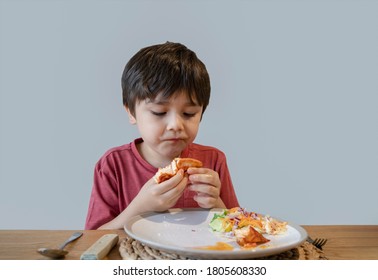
x=158 y=102
x=165 y=102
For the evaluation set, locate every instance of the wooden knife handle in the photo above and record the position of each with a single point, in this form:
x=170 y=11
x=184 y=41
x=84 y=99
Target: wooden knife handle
x=101 y=247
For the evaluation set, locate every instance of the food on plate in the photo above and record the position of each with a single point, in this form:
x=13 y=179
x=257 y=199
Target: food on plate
x=171 y=170
x=246 y=227
x=219 y=246
x=248 y=237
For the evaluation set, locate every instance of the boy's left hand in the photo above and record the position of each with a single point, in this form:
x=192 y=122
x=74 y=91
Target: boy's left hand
x=206 y=183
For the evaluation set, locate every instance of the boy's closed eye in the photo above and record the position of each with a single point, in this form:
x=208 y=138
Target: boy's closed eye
x=189 y=115
x=185 y=114
x=158 y=113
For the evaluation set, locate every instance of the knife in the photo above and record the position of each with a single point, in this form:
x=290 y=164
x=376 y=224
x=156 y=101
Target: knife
x=100 y=248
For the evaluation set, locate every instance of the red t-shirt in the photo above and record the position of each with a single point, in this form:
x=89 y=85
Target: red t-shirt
x=121 y=172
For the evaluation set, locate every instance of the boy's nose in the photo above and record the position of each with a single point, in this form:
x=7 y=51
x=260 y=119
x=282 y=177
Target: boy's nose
x=175 y=122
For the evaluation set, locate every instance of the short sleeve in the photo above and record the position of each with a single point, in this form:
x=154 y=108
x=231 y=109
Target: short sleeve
x=103 y=205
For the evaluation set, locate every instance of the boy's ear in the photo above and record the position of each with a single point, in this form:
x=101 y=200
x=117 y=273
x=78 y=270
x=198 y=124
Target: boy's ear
x=132 y=119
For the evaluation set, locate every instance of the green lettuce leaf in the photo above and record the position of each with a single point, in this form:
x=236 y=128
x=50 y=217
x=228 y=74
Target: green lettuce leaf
x=216 y=222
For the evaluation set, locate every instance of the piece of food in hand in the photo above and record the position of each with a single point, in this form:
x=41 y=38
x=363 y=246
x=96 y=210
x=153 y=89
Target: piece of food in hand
x=248 y=237
x=171 y=170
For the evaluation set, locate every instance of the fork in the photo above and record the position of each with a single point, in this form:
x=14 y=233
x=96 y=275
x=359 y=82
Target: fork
x=318 y=242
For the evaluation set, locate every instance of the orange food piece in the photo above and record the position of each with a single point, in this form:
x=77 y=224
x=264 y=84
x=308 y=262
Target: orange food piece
x=248 y=237
x=185 y=163
x=171 y=170
x=249 y=221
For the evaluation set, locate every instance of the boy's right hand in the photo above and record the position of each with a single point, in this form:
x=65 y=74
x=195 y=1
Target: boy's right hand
x=152 y=197
x=160 y=197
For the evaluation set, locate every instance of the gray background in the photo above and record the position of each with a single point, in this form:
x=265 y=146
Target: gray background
x=293 y=106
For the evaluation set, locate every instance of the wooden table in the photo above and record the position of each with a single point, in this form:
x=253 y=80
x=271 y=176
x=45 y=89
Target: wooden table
x=352 y=242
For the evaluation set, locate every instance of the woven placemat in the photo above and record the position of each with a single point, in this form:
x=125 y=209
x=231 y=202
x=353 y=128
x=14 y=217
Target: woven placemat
x=131 y=249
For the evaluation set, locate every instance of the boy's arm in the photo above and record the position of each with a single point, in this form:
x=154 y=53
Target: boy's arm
x=152 y=197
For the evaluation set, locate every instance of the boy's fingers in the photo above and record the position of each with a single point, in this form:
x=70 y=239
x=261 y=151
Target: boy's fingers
x=204 y=201
x=197 y=170
x=172 y=182
x=173 y=194
x=202 y=178
x=205 y=189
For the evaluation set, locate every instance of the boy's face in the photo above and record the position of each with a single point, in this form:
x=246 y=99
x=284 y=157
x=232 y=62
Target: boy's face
x=166 y=126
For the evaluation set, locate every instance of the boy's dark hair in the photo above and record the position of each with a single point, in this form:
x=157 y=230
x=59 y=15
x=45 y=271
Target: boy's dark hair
x=166 y=69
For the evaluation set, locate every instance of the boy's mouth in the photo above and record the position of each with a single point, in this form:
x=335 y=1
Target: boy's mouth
x=174 y=139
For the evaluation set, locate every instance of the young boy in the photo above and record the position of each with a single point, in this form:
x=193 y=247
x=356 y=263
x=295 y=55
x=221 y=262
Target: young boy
x=166 y=90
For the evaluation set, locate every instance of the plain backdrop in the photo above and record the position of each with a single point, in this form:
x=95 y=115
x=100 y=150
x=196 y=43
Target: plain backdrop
x=294 y=102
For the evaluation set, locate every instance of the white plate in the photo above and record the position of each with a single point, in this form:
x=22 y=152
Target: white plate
x=180 y=231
